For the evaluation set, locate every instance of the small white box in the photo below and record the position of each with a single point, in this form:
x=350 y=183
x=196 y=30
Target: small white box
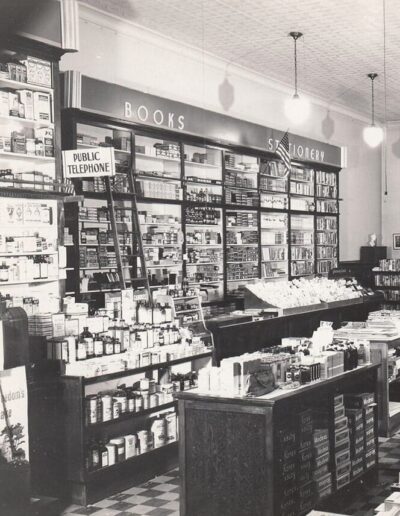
x=42 y=106
x=4 y=104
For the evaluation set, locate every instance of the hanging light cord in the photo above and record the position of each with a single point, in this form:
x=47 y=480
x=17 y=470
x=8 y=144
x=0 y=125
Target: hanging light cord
x=295 y=66
x=385 y=93
x=373 y=99
x=295 y=35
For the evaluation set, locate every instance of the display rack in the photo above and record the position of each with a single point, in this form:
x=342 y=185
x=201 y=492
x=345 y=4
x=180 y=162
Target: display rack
x=389 y=283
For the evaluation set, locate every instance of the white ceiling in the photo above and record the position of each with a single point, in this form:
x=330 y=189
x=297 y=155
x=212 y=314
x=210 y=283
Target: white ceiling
x=343 y=41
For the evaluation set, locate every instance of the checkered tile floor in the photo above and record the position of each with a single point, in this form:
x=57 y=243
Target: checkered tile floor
x=160 y=496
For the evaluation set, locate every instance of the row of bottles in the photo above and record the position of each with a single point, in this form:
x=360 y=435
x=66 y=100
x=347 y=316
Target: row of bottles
x=28 y=268
x=163 y=431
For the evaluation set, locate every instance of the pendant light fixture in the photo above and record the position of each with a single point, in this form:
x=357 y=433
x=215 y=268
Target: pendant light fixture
x=373 y=135
x=297 y=108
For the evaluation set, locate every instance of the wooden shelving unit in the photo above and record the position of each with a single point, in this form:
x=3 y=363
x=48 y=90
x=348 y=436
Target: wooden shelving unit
x=202 y=176
x=86 y=487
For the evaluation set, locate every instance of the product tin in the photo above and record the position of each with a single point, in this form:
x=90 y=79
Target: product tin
x=122 y=400
x=120 y=444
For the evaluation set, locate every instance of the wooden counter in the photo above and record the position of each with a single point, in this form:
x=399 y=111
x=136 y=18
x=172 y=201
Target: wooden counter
x=228 y=447
x=233 y=339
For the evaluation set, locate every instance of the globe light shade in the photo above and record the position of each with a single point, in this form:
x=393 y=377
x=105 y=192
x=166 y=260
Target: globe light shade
x=373 y=135
x=297 y=109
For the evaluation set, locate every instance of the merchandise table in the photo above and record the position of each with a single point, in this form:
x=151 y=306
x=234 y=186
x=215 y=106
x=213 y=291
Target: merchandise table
x=229 y=447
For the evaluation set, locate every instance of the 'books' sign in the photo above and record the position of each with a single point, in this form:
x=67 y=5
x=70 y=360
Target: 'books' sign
x=93 y=162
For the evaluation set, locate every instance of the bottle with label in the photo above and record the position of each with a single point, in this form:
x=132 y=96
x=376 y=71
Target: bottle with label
x=4 y=276
x=87 y=338
x=125 y=335
x=81 y=349
x=98 y=346
x=36 y=267
x=108 y=346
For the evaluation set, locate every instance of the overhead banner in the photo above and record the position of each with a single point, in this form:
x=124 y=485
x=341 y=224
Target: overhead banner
x=93 y=162
x=119 y=102
x=14 y=437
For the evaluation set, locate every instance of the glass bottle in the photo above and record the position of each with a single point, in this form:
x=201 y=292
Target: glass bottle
x=87 y=338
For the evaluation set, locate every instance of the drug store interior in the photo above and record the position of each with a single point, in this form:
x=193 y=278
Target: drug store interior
x=199 y=258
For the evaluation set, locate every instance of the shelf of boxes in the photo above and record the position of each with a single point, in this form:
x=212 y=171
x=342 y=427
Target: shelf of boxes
x=204 y=248
x=162 y=241
x=274 y=245
x=203 y=175
x=326 y=244
x=242 y=248
x=157 y=159
x=274 y=185
x=241 y=180
x=302 y=257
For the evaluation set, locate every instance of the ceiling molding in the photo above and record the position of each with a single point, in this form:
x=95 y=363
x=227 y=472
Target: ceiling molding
x=130 y=29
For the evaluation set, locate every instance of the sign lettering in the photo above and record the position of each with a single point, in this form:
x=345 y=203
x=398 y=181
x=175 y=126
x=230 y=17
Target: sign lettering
x=299 y=151
x=97 y=162
x=157 y=116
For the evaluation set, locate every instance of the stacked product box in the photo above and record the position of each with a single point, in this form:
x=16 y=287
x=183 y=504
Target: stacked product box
x=287 y=470
x=335 y=420
x=303 y=466
x=321 y=450
x=360 y=412
x=306 y=461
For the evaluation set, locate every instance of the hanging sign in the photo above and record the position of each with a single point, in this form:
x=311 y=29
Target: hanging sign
x=91 y=162
x=14 y=442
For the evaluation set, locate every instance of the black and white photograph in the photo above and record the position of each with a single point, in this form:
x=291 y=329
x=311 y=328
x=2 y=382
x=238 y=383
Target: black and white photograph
x=199 y=258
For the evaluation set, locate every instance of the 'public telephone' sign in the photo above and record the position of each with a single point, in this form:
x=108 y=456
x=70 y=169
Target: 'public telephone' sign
x=93 y=162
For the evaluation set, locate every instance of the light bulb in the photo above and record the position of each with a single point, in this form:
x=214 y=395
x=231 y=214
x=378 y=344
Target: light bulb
x=373 y=135
x=297 y=109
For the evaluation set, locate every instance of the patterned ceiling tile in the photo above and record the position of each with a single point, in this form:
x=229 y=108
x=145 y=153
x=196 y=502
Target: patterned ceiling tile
x=343 y=41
